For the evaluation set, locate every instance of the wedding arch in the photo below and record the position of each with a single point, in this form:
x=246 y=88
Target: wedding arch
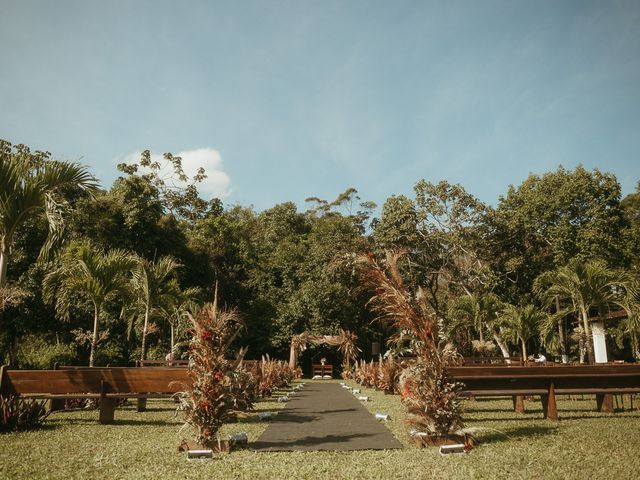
x=345 y=342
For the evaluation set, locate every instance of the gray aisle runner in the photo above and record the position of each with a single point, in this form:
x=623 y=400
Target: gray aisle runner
x=325 y=416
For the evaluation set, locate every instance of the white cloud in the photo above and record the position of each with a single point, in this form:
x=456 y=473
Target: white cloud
x=217 y=183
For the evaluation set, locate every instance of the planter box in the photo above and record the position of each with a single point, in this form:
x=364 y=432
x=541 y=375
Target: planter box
x=422 y=441
x=224 y=446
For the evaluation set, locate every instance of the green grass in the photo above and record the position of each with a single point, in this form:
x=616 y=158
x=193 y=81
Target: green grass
x=584 y=444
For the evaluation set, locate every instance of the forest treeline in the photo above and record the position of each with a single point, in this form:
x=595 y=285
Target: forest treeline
x=104 y=275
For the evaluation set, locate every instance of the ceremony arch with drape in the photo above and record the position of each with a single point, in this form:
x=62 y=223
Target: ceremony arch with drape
x=345 y=343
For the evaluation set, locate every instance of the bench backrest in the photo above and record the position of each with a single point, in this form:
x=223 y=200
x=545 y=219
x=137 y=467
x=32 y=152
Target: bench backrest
x=563 y=377
x=94 y=380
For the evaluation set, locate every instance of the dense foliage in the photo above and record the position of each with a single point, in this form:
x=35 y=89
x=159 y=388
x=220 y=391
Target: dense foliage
x=476 y=264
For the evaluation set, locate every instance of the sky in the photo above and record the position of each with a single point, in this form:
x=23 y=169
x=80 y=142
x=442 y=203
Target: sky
x=283 y=100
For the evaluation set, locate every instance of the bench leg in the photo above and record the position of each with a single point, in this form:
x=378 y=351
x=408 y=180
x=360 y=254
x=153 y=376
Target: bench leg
x=518 y=403
x=142 y=404
x=55 y=404
x=604 y=402
x=549 y=407
x=107 y=409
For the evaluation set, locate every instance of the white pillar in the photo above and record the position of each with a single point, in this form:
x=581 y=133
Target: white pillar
x=599 y=343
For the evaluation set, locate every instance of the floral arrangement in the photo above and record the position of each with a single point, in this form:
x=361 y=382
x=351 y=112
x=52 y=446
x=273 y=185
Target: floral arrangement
x=366 y=374
x=388 y=375
x=428 y=391
x=270 y=375
x=216 y=383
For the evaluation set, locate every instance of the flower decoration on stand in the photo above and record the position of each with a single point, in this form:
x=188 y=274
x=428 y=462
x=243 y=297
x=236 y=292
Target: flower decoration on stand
x=213 y=391
x=428 y=391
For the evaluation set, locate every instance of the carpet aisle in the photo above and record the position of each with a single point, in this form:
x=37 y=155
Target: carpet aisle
x=325 y=416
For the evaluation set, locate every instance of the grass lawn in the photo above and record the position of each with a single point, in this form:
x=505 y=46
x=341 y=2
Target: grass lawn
x=584 y=444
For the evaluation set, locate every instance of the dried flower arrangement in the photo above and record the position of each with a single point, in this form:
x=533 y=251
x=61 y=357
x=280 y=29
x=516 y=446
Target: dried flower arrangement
x=215 y=381
x=388 y=375
x=429 y=393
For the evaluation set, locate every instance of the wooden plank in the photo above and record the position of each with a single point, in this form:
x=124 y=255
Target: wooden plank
x=122 y=380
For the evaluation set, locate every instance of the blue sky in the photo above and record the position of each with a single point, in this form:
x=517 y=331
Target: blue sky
x=288 y=99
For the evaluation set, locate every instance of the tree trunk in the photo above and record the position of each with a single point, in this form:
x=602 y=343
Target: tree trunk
x=635 y=347
x=94 y=340
x=562 y=337
x=503 y=346
x=524 y=352
x=4 y=261
x=173 y=339
x=588 y=338
x=143 y=355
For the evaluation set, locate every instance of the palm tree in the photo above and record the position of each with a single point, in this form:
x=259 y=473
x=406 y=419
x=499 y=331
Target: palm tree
x=154 y=286
x=474 y=312
x=520 y=324
x=583 y=286
x=86 y=271
x=631 y=304
x=30 y=185
x=178 y=306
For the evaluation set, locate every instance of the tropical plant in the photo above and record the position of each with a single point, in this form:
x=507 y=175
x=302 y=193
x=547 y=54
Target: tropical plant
x=154 y=286
x=430 y=394
x=175 y=311
x=212 y=393
x=476 y=313
x=31 y=184
x=20 y=414
x=631 y=325
x=88 y=272
x=521 y=324
x=583 y=287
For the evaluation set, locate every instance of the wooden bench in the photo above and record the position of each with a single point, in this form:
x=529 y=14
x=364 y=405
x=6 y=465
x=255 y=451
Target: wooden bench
x=322 y=370
x=106 y=384
x=602 y=381
x=162 y=363
x=485 y=361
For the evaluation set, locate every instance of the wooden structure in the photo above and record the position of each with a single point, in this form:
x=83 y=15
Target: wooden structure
x=106 y=384
x=345 y=342
x=485 y=361
x=603 y=381
x=322 y=370
x=162 y=363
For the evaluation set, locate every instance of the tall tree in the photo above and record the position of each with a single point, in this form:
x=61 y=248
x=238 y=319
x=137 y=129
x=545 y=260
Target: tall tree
x=87 y=271
x=475 y=312
x=154 y=286
x=31 y=184
x=521 y=324
x=585 y=288
x=551 y=219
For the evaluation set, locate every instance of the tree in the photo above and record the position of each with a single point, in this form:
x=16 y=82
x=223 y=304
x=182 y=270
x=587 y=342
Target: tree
x=176 y=308
x=551 y=219
x=154 y=286
x=631 y=325
x=443 y=232
x=521 y=324
x=584 y=287
x=87 y=271
x=477 y=313
x=31 y=184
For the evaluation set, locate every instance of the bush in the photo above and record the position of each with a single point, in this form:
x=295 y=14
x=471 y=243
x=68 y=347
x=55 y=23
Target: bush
x=19 y=414
x=35 y=352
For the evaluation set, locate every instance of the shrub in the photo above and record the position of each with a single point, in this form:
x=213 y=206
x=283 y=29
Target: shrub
x=20 y=414
x=35 y=352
